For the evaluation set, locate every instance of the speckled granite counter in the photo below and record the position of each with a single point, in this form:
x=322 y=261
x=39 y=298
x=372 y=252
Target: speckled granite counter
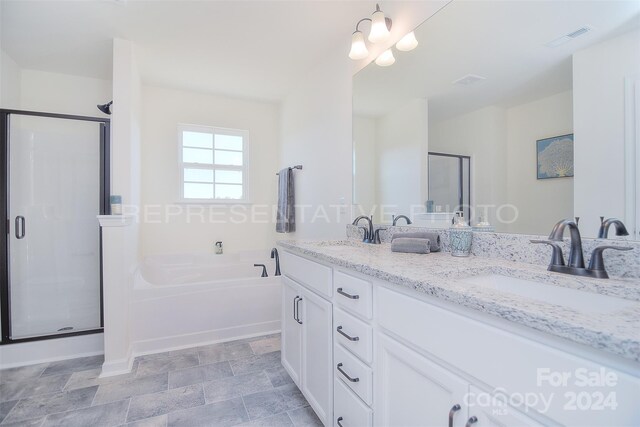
x=441 y=275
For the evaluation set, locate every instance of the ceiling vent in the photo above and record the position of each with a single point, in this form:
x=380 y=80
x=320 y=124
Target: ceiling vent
x=568 y=37
x=468 y=80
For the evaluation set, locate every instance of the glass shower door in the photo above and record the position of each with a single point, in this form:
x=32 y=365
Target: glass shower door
x=54 y=240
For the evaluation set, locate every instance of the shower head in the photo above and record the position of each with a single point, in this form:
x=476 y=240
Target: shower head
x=105 y=108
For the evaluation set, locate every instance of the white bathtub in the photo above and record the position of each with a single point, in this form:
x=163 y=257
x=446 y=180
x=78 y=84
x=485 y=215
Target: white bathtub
x=185 y=300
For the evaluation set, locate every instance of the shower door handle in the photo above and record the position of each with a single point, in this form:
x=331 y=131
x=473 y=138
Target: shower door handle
x=21 y=227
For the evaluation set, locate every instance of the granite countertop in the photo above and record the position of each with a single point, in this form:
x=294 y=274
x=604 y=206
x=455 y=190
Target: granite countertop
x=440 y=275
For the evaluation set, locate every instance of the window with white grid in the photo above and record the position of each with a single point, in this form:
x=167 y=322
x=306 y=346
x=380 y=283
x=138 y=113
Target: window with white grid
x=213 y=164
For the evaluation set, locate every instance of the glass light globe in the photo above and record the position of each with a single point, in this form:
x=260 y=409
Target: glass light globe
x=386 y=58
x=379 y=31
x=407 y=43
x=358 y=47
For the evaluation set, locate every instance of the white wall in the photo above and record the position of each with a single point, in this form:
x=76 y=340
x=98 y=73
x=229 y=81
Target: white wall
x=316 y=133
x=599 y=127
x=317 y=126
x=401 y=138
x=9 y=82
x=541 y=202
x=481 y=134
x=120 y=244
x=172 y=227
x=63 y=93
x=365 y=164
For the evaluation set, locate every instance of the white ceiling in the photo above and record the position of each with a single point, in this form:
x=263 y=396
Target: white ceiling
x=503 y=41
x=253 y=49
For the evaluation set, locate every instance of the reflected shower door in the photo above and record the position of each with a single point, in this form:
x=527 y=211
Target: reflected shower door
x=450 y=183
x=54 y=241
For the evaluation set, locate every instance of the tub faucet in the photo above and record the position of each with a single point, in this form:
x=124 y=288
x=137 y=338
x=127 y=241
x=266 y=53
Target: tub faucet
x=621 y=230
x=274 y=254
x=264 y=269
x=396 y=218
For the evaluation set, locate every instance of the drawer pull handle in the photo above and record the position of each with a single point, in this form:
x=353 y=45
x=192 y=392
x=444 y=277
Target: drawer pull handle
x=295 y=315
x=339 y=329
x=353 y=380
x=455 y=408
x=338 y=421
x=471 y=420
x=343 y=293
x=298 y=310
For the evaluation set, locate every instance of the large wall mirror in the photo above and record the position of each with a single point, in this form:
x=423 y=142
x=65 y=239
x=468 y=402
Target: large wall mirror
x=541 y=97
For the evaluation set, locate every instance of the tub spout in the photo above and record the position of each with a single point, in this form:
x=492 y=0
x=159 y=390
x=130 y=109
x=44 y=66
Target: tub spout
x=274 y=254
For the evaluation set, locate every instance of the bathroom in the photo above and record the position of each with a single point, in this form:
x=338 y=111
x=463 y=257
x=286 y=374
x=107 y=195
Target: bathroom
x=140 y=285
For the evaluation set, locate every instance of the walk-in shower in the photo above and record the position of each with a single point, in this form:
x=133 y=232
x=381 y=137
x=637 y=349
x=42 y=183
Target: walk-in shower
x=54 y=171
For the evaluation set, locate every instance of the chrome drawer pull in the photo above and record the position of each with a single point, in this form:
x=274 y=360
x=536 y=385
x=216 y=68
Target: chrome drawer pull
x=470 y=421
x=338 y=421
x=343 y=293
x=339 y=329
x=353 y=380
x=455 y=408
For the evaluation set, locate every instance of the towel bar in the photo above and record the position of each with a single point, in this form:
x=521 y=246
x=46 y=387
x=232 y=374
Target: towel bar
x=292 y=167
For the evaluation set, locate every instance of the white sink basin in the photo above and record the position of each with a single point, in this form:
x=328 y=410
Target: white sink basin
x=558 y=295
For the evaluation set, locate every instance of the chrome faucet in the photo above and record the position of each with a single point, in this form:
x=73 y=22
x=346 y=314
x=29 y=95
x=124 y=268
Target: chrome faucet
x=274 y=254
x=368 y=233
x=576 y=265
x=621 y=230
x=396 y=218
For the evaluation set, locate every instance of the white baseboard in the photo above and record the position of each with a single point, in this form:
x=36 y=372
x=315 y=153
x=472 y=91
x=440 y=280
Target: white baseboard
x=33 y=352
x=178 y=342
x=117 y=367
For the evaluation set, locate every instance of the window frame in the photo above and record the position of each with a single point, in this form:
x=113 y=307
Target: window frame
x=214 y=130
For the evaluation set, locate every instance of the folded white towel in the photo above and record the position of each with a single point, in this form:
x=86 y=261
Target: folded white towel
x=411 y=245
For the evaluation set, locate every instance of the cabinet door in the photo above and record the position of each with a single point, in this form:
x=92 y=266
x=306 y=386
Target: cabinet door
x=317 y=356
x=491 y=412
x=291 y=329
x=411 y=390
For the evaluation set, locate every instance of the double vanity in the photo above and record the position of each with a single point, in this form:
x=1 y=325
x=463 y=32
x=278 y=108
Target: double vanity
x=378 y=338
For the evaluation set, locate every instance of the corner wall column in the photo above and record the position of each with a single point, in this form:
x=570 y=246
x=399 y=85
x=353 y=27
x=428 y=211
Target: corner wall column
x=117 y=274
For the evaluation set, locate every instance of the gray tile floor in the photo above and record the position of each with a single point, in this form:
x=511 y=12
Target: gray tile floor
x=235 y=383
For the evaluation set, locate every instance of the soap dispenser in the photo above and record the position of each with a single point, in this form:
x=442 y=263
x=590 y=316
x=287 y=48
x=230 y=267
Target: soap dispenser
x=460 y=236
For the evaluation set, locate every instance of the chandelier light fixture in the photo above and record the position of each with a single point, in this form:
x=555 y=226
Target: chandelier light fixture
x=379 y=33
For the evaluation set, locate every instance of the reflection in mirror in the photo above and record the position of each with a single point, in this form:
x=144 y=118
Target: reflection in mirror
x=541 y=97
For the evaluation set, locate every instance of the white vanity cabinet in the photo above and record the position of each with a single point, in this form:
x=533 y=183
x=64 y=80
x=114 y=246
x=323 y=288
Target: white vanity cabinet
x=368 y=353
x=307 y=342
x=291 y=351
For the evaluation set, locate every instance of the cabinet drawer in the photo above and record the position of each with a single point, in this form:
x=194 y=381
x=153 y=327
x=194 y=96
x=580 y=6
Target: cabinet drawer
x=348 y=409
x=505 y=360
x=315 y=276
x=355 y=335
x=355 y=374
x=354 y=294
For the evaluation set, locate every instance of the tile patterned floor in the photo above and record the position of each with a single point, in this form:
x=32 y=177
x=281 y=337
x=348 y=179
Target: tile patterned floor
x=239 y=383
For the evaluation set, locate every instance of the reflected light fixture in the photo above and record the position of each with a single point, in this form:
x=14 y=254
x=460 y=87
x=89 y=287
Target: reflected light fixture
x=407 y=43
x=380 y=27
x=386 y=58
